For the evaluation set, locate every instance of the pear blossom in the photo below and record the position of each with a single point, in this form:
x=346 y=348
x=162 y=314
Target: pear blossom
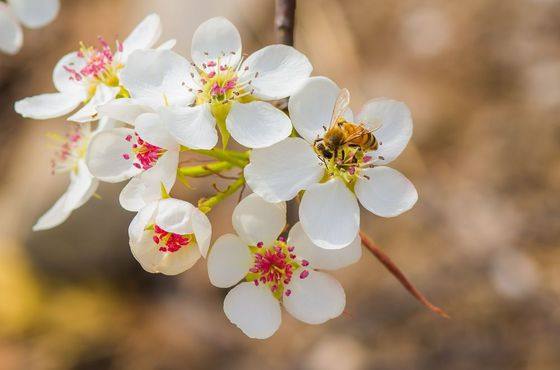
x=275 y=271
x=90 y=76
x=146 y=153
x=169 y=235
x=30 y=13
x=218 y=88
x=70 y=157
x=329 y=211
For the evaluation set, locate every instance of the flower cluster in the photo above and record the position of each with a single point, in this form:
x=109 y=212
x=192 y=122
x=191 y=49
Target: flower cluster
x=151 y=106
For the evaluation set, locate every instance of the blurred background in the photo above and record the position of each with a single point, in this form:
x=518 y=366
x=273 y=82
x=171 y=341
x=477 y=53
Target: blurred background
x=482 y=79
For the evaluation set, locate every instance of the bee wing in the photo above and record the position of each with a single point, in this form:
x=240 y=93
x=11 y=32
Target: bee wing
x=340 y=105
x=372 y=126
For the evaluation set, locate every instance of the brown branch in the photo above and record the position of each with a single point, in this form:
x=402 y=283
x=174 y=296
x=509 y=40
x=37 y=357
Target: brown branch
x=394 y=270
x=285 y=14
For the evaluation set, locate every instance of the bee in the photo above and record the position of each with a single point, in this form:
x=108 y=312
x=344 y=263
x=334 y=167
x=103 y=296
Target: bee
x=341 y=132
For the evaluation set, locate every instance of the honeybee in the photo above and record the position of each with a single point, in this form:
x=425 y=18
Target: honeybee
x=342 y=132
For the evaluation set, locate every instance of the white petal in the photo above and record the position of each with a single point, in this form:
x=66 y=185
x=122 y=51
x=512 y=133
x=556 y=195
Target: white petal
x=62 y=79
x=82 y=186
x=123 y=109
x=253 y=309
x=256 y=220
x=139 y=192
x=174 y=216
x=202 y=229
x=144 y=35
x=216 y=38
x=311 y=107
x=167 y=45
x=150 y=128
x=387 y=193
x=35 y=13
x=105 y=159
x=54 y=216
x=229 y=261
x=281 y=71
x=156 y=78
x=147 y=253
x=329 y=214
x=146 y=187
x=47 y=106
x=174 y=263
x=11 y=35
x=103 y=95
x=316 y=299
x=279 y=172
x=396 y=127
x=321 y=258
x=193 y=127
x=257 y=124
x=142 y=219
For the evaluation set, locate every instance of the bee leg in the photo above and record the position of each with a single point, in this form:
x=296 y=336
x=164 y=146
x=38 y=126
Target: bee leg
x=325 y=128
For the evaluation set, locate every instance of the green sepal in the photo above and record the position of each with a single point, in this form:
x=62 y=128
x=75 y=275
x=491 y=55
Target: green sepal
x=164 y=193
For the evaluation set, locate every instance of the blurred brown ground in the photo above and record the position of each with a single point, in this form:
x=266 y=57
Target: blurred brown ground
x=483 y=81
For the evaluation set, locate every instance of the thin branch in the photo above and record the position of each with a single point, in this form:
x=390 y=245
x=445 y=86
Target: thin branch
x=284 y=21
x=394 y=270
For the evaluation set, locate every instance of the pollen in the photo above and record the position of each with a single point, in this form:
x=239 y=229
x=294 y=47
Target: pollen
x=69 y=149
x=145 y=154
x=170 y=242
x=274 y=267
x=101 y=65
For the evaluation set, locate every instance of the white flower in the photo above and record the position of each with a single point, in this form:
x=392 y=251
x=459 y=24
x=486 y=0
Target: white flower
x=71 y=158
x=169 y=235
x=90 y=76
x=275 y=271
x=218 y=88
x=145 y=153
x=31 y=13
x=329 y=212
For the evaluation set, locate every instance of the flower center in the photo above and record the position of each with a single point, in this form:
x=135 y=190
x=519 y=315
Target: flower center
x=220 y=84
x=100 y=66
x=274 y=267
x=170 y=242
x=70 y=148
x=343 y=148
x=146 y=154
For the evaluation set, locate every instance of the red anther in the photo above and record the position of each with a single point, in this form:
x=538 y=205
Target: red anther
x=126 y=156
x=304 y=274
x=304 y=263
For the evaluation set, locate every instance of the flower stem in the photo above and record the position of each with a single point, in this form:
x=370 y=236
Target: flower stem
x=396 y=272
x=205 y=205
x=285 y=14
x=205 y=169
x=237 y=159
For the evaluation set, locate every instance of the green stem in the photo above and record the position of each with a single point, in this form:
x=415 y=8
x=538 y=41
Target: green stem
x=238 y=159
x=207 y=204
x=205 y=169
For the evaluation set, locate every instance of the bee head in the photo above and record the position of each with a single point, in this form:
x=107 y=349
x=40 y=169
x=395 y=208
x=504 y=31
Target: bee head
x=334 y=139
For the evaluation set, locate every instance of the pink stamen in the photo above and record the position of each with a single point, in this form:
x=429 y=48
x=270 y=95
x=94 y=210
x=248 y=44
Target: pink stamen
x=173 y=242
x=146 y=154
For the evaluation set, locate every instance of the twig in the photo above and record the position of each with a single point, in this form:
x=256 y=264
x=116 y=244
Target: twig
x=394 y=270
x=285 y=13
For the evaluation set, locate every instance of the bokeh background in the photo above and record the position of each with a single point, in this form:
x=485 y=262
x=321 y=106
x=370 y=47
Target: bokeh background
x=482 y=79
